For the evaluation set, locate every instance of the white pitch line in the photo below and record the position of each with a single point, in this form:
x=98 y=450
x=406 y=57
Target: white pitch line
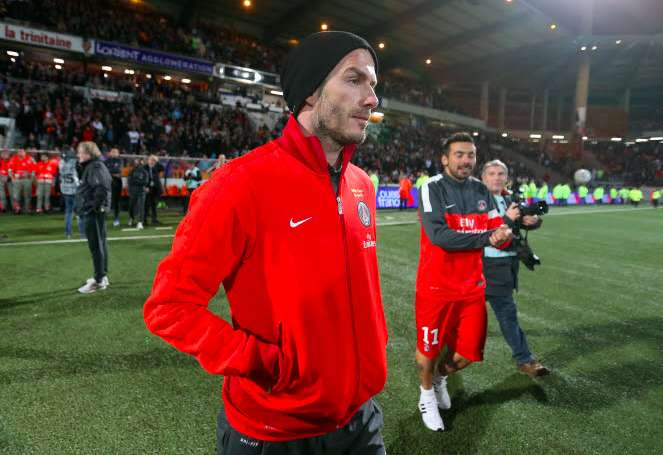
x=397 y=223
x=110 y=239
x=574 y=212
x=554 y=213
x=387 y=223
x=138 y=237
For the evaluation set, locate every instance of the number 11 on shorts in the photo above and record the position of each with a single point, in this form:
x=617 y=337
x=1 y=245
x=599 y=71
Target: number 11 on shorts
x=434 y=332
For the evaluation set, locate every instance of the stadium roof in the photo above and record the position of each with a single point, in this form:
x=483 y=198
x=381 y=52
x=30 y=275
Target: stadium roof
x=510 y=43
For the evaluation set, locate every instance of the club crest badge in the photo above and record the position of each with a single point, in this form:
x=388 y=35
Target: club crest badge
x=482 y=206
x=364 y=213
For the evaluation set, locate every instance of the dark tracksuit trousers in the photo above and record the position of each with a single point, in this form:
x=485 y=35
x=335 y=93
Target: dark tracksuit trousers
x=151 y=202
x=137 y=204
x=116 y=194
x=95 y=230
x=361 y=436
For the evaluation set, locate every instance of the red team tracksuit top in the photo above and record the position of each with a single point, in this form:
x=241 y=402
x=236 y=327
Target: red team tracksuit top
x=307 y=344
x=457 y=220
x=21 y=168
x=46 y=171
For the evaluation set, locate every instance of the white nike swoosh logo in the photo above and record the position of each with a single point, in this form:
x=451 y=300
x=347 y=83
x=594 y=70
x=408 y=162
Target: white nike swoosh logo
x=452 y=205
x=294 y=224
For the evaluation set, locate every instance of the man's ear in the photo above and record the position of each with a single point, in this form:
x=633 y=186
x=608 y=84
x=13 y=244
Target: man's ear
x=315 y=96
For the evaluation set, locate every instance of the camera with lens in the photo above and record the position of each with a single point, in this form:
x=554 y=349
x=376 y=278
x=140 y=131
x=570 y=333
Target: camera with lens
x=525 y=252
x=539 y=208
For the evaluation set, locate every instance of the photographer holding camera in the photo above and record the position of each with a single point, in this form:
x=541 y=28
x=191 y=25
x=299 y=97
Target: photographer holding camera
x=501 y=266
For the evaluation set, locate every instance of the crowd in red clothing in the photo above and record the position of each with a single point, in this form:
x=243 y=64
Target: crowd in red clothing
x=21 y=178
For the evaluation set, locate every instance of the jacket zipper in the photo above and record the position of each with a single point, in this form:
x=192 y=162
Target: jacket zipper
x=339 y=202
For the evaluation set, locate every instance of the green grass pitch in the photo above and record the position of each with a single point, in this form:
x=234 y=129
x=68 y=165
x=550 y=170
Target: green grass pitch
x=81 y=374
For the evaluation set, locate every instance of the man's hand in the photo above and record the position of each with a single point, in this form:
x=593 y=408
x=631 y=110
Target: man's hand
x=500 y=235
x=530 y=220
x=513 y=212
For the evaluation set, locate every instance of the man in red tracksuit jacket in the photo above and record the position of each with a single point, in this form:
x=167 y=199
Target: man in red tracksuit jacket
x=289 y=231
x=21 y=173
x=458 y=219
x=46 y=170
x=404 y=191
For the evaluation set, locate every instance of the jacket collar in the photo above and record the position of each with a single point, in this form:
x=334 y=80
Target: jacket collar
x=85 y=164
x=308 y=149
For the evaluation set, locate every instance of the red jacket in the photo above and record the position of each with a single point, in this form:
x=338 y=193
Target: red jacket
x=88 y=134
x=405 y=188
x=307 y=344
x=46 y=171
x=457 y=220
x=21 y=168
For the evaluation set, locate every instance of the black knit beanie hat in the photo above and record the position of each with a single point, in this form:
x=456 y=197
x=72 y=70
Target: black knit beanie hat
x=308 y=64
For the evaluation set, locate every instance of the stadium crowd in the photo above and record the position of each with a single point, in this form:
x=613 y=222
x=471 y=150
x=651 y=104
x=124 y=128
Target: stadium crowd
x=647 y=120
x=639 y=164
x=178 y=120
x=402 y=149
x=415 y=92
x=116 y=21
x=134 y=84
x=27 y=174
x=158 y=117
x=174 y=119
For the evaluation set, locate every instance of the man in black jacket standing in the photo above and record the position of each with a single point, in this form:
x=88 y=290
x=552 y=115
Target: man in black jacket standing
x=501 y=270
x=93 y=198
x=138 y=186
x=114 y=165
x=154 y=169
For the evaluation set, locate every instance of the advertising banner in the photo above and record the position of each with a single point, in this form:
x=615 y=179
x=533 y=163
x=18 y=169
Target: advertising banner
x=44 y=38
x=388 y=197
x=150 y=57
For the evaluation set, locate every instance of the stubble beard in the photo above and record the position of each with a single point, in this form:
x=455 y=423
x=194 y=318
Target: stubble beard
x=327 y=116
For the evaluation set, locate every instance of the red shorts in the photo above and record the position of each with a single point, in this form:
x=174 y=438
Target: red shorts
x=460 y=324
